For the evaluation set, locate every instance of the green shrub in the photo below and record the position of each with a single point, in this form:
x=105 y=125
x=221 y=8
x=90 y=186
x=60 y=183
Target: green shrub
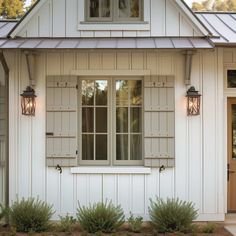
x=3 y=211
x=30 y=215
x=208 y=228
x=171 y=215
x=100 y=217
x=135 y=223
x=66 y=223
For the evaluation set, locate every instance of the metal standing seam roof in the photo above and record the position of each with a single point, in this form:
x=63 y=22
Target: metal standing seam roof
x=222 y=25
x=105 y=43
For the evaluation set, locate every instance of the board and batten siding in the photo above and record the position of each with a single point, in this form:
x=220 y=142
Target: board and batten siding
x=198 y=174
x=63 y=18
x=2 y=136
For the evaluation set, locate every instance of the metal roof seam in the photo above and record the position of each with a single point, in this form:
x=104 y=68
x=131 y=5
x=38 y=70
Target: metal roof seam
x=214 y=28
x=225 y=23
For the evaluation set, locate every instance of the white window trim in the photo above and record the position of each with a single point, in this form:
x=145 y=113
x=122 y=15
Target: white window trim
x=85 y=25
x=113 y=13
x=111 y=170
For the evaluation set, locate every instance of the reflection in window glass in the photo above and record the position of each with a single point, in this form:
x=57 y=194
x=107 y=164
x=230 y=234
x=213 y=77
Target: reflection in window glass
x=122 y=147
x=136 y=147
x=231 y=78
x=124 y=8
x=101 y=119
x=87 y=147
x=128 y=120
x=105 y=8
x=101 y=147
x=101 y=92
x=87 y=120
x=134 y=8
x=94 y=8
x=87 y=92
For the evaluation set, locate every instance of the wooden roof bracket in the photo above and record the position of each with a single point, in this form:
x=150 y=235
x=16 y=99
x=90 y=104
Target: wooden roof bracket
x=188 y=54
x=30 y=61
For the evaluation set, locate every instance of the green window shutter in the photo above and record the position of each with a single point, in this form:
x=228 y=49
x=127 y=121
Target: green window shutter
x=159 y=137
x=61 y=131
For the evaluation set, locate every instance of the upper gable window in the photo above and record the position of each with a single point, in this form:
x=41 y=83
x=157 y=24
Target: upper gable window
x=114 y=10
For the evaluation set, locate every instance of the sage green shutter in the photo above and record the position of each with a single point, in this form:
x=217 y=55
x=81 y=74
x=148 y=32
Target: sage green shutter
x=61 y=133
x=159 y=115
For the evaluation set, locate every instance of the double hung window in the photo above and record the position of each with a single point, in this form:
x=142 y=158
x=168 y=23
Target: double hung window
x=111 y=121
x=114 y=10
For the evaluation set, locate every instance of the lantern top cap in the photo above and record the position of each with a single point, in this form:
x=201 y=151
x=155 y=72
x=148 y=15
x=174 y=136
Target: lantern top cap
x=29 y=92
x=192 y=92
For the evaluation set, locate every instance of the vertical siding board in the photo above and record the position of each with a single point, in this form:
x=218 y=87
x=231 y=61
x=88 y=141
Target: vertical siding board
x=82 y=186
x=38 y=132
x=82 y=61
x=137 y=60
x=181 y=179
x=67 y=192
x=53 y=63
x=109 y=188
x=95 y=61
x=69 y=62
x=95 y=188
x=167 y=185
x=138 y=189
x=25 y=148
x=123 y=60
x=53 y=189
x=108 y=61
x=124 y=192
x=45 y=20
x=209 y=132
x=59 y=18
x=195 y=141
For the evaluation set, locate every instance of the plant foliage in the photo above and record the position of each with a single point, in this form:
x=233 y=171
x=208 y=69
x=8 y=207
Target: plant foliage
x=66 y=223
x=3 y=211
x=30 y=215
x=135 y=223
x=208 y=228
x=100 y=217
x=171 y=215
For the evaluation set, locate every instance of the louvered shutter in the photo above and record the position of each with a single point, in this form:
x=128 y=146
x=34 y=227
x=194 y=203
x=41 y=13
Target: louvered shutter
x=61 y=133
x=159 y=115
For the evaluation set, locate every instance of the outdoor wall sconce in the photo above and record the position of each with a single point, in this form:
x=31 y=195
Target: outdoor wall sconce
x=193 y=102
x=28 y=102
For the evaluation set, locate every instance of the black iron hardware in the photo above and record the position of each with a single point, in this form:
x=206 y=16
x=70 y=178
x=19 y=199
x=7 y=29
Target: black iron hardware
x=58 y=167
x=229 y=171
x=49 y=133
x=162 y=168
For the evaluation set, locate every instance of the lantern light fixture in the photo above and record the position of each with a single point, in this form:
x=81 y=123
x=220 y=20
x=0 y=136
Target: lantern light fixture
x=28 y=102
x=193 y=102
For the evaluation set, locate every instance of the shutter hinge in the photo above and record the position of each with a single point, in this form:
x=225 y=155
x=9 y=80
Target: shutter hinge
x=76 y=86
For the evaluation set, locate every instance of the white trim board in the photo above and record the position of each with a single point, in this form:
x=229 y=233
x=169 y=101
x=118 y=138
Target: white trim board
x=111 y=72
x=110 y=170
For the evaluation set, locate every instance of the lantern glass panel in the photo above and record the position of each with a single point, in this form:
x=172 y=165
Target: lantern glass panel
x=28 y=105
x=193 y=108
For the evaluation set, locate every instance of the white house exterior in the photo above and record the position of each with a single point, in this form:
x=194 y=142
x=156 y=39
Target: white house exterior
x=165 y=153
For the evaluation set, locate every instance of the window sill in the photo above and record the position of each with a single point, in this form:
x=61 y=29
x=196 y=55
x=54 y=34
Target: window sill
x=111 y=170
x=132 y=25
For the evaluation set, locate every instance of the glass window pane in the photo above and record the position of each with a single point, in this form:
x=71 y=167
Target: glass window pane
x=122 y=147
x=105 y=8
x=231 y=78
x=87 y=147
x=124 y=8
x=101 y=147
x=135 y=92
x=101 y=92
x=101 y=120
x=135 y=120
x=122 y=92
x=135 y=147
x=87 y=120
x=134 y=8
x=94 y=8
x=122 y=120
x=87 y=92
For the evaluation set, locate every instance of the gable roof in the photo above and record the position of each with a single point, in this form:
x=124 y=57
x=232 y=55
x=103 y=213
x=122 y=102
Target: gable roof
x=179 y=3
x=222 y=24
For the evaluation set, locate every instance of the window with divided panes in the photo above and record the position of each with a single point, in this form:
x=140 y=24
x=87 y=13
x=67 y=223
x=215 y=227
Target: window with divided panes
x=114 y=10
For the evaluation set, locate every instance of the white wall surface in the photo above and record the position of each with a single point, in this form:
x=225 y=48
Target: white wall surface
x=199 y=174
x=66 y=18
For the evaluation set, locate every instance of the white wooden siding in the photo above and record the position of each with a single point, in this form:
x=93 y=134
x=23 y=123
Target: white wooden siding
x=2 y=137
x=62 y=18
x=198 y=172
